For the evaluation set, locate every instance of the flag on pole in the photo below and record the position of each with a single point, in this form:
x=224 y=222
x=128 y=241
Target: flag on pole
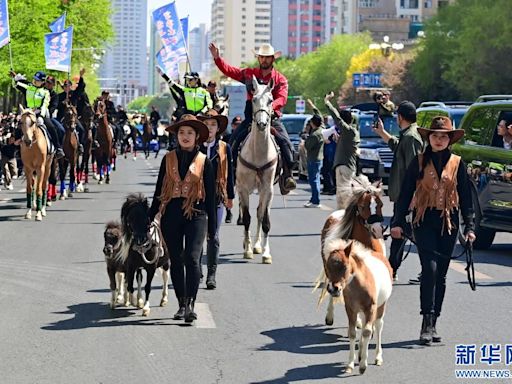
x=184 y=29
x=58 y=24
x=169 y=62
x=169 y=28
x=5 y=34
x=57 y=50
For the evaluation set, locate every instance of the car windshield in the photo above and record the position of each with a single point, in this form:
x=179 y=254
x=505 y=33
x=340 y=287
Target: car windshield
x=295 y=125
x=366 y=123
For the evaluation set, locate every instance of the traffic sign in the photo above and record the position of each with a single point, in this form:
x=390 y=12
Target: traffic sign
x=300 y=106
x=367 y=80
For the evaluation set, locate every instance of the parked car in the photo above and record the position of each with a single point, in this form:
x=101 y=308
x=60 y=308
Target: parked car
x=489 y=167
x=295 y=124
x=455 y=110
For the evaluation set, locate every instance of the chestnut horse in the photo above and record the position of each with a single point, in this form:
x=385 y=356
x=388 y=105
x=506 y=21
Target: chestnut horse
x=36 y=159
x=104 y=135
x=70 y=147
x=355 y=265
x=87 y=120
x=147 y=135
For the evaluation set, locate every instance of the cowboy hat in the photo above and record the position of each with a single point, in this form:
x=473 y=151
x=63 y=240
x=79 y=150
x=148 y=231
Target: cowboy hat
x=222 y=121
x=188 y=120
x=267 y=50
x=442 y=124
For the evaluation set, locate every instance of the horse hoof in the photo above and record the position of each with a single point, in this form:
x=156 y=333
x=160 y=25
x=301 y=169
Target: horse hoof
x=28 y=215
x=107 y=181
x=62 y=197
x=43 y=212
x=329 y=321
x=114 y=169
x=362 y=369
x=100 y=182
x=39 y=216
x=164 y=302
x=134 y=159
x=48 y=203
x=248 y=255
x=378 y=362
x=70 y=194
x=257 y=250
x=120 y=299
x=140 y=303
x=86 y=189
x=145 y=312
x=349 y=370
x=96 y=176
x=266 y=259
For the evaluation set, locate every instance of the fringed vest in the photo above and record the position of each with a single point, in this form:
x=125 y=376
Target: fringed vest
x=222 y=172
x=191 y=188
x=438 y=194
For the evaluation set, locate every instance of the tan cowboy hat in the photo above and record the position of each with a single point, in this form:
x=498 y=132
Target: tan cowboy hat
x=267 y=50
x=222 y=121
x=191 y=121
x=442 y=124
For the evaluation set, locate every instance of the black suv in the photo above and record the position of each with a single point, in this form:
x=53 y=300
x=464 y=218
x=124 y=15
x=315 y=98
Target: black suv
x=489 y=166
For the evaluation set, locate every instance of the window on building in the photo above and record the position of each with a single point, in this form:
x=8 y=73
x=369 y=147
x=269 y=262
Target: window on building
x=428 y=4
x=409 y=4
x=368 y=3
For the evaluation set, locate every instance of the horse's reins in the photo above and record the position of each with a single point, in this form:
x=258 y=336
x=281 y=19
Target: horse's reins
x=468 y=251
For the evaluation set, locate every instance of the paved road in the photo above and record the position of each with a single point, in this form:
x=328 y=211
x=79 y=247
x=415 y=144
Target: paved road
x=260 y=326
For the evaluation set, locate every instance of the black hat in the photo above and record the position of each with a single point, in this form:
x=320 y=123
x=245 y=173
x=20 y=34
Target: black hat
x=50 y=79
x=67 y=82
x=222 y=121
x=212 y=83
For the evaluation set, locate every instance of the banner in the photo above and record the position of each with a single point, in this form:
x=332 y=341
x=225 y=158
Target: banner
x=184 y=28
x=58 y=25
x=168 y=26
x=5 y=34
x=169 y=62
x=57 y=50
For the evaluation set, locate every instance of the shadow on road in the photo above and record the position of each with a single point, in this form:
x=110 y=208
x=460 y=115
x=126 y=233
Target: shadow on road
x=99 y=315
x=309 y=373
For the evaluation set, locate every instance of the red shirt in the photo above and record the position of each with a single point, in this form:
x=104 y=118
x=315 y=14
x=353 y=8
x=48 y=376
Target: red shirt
x=244 y=75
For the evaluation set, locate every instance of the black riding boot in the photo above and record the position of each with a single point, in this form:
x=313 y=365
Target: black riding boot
x=426 y=329
x=210 y=278
x=190 y=315
x=435 y=337
x=229 y=216
x=180 y=315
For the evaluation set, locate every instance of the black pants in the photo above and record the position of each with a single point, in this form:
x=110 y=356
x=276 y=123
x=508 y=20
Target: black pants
x=52 y=131
x=282 y=138
x=184 y=239
x=396 y=251
x=328 y=175
x=435 y=250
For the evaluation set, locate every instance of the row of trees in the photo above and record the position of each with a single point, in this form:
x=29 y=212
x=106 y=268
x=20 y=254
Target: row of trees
x=29 y=22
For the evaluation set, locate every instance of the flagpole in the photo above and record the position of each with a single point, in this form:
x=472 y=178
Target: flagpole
x=10 y=55
x=186 y=47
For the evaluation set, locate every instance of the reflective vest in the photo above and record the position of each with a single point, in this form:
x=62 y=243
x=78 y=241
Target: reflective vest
x=197 y=99
x=36 y=98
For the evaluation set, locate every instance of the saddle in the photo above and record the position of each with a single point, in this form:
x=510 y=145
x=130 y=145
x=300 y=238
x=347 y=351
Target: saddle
x=50 y=148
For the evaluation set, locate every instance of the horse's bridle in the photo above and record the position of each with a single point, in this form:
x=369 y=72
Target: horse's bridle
x=156 y=239
x=33 y=119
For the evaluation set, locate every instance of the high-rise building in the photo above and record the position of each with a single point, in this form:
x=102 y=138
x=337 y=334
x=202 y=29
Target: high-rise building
x=124 y=71
x=239 y=26
x=198 y=48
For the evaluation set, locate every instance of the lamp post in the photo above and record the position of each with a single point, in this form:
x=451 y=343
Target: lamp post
x=385 y=47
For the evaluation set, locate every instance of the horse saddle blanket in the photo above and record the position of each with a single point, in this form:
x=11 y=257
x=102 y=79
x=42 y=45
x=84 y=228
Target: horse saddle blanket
x=50 y=148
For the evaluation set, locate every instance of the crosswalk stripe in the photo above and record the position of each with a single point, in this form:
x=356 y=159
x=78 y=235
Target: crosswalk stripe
x=204 y=316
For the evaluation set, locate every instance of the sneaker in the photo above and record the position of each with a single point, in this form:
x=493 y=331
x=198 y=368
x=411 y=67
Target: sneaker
x=415 y=281
x=309 y=204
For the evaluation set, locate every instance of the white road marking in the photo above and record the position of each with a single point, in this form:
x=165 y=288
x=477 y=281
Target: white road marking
x=324 y=207
x=460 y=267
x=204 y=316
x=5 y=200
x=22 y=190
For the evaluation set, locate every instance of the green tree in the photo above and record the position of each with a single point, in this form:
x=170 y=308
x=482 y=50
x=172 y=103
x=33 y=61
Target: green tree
x=29 y=22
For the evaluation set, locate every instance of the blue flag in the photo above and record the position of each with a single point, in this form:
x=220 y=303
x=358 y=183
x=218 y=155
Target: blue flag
x=168 y=62
x=57 y=50
x=169 y=28
x=58 y=24
x=5 y=35
x=184 y=28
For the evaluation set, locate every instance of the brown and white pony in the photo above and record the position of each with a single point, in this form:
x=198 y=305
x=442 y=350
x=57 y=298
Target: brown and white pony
x=35 y=158
x=355 y=265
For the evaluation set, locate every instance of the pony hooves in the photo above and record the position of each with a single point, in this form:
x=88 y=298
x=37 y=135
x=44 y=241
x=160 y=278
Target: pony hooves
x=362 y=369
x=349 y=369
x=48 y=203
x=266 y=259
x=80 y=188
x=28 y=215
x=248 y=255
x=100 y=182
x=39 y=216
x=164 y=302
x=329 y=321
x=43 y=212
x=378 y=362
x=62 y=197
x=257 y=250
x=140 y=303
x=146 y=312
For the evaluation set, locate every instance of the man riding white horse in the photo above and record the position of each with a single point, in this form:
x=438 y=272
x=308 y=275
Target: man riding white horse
x=266 y=56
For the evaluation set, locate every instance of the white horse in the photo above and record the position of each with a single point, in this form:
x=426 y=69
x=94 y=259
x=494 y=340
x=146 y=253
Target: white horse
x=256 y=170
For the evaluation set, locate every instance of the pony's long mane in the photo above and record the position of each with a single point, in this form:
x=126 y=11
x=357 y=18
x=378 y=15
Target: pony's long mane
x=132 y=200
x=113 y=224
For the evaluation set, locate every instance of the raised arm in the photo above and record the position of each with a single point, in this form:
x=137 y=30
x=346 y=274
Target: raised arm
x=229 y=70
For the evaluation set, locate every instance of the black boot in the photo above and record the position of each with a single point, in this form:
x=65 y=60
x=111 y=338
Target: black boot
x=435 y=337
x=210 y=278
x=426 y=329
x=190 y=315
x=229 y=216
x=180 y=315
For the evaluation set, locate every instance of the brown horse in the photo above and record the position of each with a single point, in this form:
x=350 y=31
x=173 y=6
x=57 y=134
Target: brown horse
x=104 y=135
x=87 y=120
x=355 y=265
x=147 y=135
x=35 y=157
x=70 y=147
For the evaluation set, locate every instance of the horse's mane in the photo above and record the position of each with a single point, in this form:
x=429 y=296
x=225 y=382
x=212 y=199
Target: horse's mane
x=132 y=200
x=360 y=185
x=113 y=224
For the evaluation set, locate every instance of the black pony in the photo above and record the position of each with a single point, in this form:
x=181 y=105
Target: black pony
x=142 y=248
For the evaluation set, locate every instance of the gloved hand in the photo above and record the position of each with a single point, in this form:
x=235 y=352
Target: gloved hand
x=19 y=77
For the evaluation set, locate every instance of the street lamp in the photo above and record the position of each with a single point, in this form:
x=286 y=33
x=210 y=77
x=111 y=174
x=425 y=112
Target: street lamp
x=385 y=47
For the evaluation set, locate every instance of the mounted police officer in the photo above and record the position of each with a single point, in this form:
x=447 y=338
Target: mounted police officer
x=38 y=98
x=194 y=97
x=266 y=71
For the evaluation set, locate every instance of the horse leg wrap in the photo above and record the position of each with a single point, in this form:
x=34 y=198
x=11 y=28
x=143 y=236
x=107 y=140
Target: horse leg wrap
x=39 y=203
x=45 y=198
x=62 y=187
x=29 y=200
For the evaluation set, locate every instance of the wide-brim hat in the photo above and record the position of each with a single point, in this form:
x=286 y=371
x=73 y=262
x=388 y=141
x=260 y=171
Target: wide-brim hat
x=442 y=124
x=222 y=121
x=267 y=50
x=190 y=121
